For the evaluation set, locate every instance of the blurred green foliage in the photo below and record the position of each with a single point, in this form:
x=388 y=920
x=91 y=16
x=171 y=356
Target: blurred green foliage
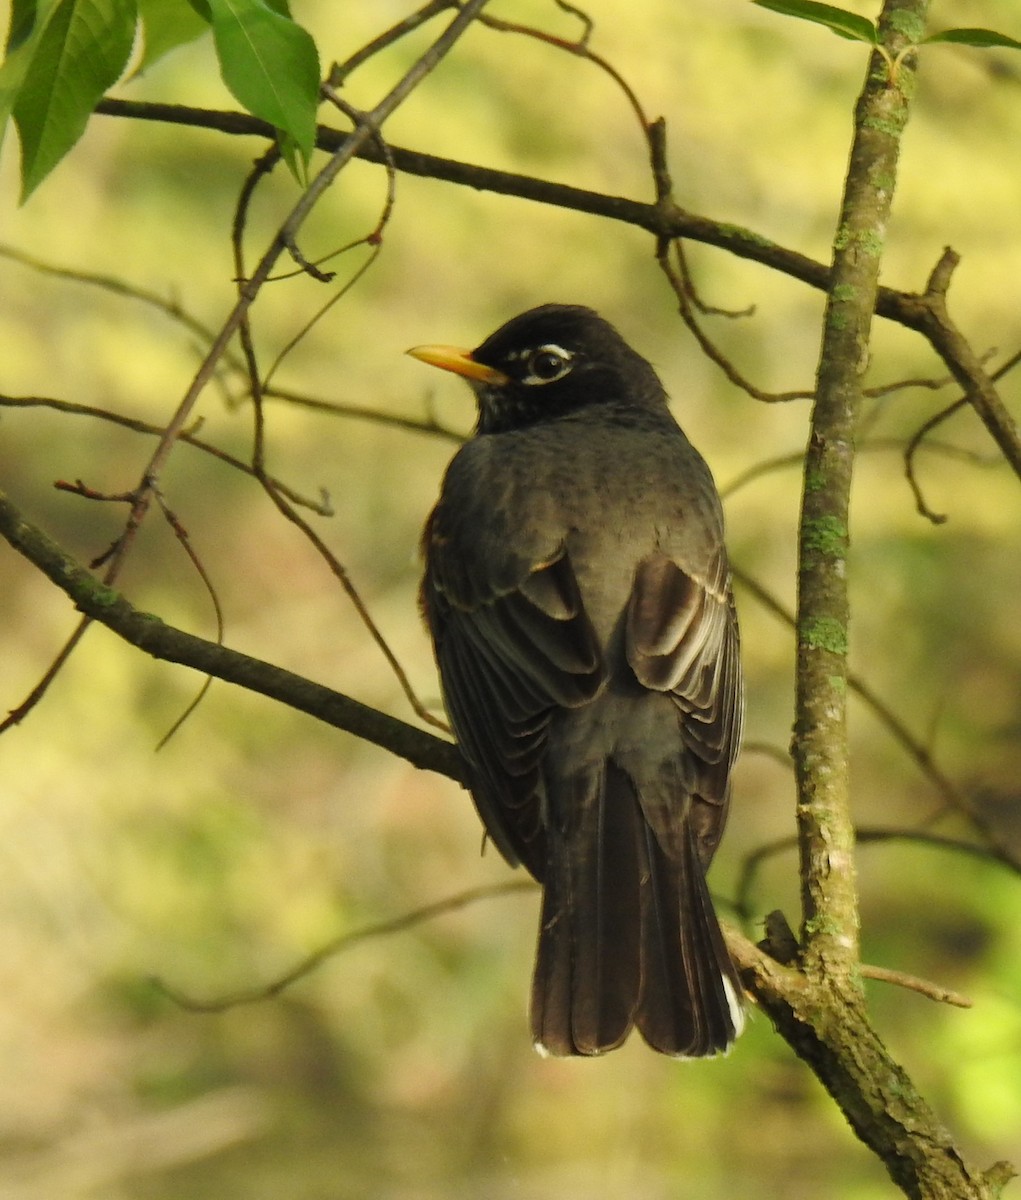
x=402 y=1068
x=62 y=55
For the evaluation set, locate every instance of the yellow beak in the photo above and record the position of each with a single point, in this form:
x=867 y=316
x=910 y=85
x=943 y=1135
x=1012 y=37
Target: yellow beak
x=451 y=358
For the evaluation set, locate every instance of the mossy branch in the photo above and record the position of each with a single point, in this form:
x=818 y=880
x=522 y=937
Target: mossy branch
x=829 y=896
x=826 y=1025
x=820 y=1009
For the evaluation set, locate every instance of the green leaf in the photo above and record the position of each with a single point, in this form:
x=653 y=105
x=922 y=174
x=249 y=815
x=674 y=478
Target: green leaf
x=167 y=24
x=24 y=14
x=983 y=38
x=838 y=20
x=12 y=74
x=28 y=24
x=297 y=164
x=76 y=50
x=270 y=65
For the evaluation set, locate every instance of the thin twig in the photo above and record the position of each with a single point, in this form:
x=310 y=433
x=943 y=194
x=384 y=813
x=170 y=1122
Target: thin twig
x=911 y=450
x=373 y=239
x=681 y=287
x=287 y=510
x=964 y=363
x=321 y=506
x=340 y=944
x=785 y=462
x=339 y=72
x=916 y=750
x=114 y=285
x=700 y=305
x=17 y=714
x=922 y=434
x=430 y=426
x=579 y=47
x=867 y=835
x=913 y=983
x=153 y=636
x=185 y=541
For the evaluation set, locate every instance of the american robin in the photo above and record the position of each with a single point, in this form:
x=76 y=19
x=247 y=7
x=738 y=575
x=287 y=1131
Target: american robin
x=578 y=596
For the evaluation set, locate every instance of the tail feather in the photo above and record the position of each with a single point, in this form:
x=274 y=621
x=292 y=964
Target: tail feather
x=628 y=935
x=587 y=974
x=690 y=1006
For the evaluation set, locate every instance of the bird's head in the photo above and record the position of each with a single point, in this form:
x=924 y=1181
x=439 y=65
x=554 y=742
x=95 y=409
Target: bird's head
x=546 y=363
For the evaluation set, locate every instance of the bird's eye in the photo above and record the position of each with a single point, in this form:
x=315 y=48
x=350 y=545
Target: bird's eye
x=547 y=364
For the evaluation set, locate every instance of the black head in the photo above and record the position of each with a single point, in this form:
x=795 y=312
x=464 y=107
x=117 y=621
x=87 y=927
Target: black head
x=548 y=362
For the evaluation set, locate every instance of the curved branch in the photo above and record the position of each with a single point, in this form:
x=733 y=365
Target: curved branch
x=925 y=313
x=147 y=632
x=663 y=220
x=341 y=943
x=71 y=407
x=752 y=862
x=912 y=746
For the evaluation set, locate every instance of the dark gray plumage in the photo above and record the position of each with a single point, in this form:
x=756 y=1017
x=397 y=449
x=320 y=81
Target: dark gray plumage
x=577 y=591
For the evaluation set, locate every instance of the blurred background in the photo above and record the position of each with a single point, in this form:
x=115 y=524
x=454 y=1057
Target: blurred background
x=402 y=1067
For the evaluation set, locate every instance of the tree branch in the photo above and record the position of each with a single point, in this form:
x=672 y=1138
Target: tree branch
x=826 y=1025
x=147 y=632
x=965 y=365
x=666 y=221
x=829 y=894
x=820 y=1010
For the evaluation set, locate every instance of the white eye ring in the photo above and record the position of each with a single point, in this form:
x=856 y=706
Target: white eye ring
x=547 y=364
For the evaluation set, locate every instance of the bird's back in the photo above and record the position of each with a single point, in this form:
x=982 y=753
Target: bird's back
x=578 y=595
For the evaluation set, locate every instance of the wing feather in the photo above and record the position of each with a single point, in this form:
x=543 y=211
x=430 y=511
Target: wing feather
x=507 y=661
x=681 y=639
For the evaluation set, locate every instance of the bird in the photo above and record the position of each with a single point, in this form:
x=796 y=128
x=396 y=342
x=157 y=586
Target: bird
x=577 y=591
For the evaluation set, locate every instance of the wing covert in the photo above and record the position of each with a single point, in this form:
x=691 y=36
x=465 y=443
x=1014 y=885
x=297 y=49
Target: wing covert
x=681 y=638
x=507 y=662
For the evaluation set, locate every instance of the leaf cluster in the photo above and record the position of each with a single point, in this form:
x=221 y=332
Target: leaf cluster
x=857 y=28
x=62 y=55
